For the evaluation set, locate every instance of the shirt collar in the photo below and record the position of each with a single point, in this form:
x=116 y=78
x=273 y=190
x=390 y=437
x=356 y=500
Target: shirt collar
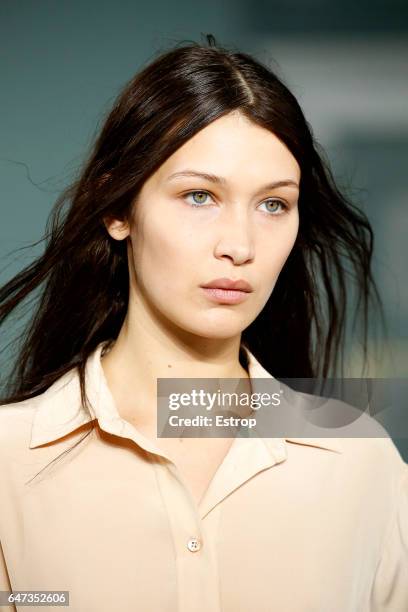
x=59 y=410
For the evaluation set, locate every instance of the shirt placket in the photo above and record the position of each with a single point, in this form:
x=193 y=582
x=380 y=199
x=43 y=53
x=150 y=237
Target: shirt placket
x=195 y=527
x=197 y=572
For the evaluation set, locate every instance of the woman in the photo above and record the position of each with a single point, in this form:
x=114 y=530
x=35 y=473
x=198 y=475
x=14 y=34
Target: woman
x=205 y=238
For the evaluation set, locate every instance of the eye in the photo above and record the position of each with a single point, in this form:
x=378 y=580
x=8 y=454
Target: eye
x=199 y=197
x=274 y=203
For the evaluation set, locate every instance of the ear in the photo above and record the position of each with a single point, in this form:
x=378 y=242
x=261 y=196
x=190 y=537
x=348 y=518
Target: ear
x=117 y=229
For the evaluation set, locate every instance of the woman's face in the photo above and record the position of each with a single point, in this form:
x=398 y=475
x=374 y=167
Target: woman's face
x=237 y=225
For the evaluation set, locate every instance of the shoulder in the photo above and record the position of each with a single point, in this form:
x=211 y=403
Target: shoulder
x=377 y=451
x=376 y=466
x=20 y=419
x=360 y=437
x=16 y=421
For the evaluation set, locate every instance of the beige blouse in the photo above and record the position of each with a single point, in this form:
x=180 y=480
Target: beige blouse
x=286 y=525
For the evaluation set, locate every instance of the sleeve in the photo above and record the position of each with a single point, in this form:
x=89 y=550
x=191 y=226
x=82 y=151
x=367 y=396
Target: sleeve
x=5 y=582
x=390 y=589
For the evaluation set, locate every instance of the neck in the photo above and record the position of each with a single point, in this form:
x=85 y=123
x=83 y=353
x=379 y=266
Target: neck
x=142 y=353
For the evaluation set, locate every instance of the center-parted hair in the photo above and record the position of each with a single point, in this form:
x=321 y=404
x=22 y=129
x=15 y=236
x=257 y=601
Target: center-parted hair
x=81 y=280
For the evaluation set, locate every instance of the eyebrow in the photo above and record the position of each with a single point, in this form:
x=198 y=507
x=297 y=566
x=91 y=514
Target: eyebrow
x=220 y=180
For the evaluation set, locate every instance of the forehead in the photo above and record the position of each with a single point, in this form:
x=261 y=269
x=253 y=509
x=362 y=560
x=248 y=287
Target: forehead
x=236 y=148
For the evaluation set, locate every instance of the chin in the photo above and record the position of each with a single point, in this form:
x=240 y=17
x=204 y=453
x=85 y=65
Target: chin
x=219 y=335
x=221 y=329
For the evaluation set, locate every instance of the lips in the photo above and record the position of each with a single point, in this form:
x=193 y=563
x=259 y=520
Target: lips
x=227 y=283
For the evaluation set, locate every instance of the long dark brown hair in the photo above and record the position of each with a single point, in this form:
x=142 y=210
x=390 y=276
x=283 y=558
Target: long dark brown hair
x=81 y=279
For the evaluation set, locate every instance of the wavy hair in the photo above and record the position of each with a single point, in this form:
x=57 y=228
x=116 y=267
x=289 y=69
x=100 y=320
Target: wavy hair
x=82 y=276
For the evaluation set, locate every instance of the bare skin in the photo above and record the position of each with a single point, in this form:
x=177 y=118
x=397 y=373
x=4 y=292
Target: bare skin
x=177 y=241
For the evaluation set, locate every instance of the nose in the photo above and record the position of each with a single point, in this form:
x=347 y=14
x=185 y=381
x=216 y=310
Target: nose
x=236 y=238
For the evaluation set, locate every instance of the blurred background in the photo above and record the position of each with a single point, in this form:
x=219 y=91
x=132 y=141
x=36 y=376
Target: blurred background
x=63 y=63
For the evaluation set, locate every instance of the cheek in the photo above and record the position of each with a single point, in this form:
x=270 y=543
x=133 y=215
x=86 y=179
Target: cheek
x=289 y=238
x=167 y=252
x=276 y=249
x=274 y=256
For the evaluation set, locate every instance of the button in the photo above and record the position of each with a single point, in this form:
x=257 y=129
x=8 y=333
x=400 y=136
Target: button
x=193 y=544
